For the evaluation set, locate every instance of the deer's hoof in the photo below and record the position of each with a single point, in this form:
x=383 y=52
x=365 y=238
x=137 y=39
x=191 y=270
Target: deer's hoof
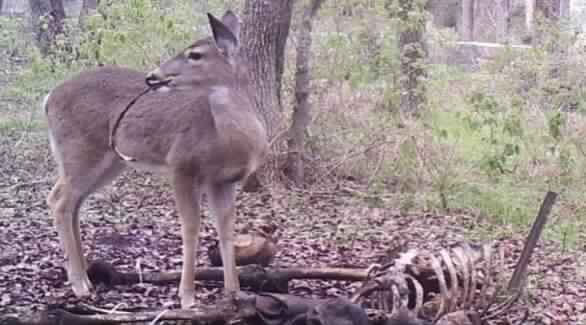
x=187 y=301
x=82 y=288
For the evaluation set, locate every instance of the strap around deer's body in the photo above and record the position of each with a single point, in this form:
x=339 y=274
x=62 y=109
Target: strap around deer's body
x=114 y=128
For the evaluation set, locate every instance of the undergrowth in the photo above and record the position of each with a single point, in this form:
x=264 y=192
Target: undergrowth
x=490 y=142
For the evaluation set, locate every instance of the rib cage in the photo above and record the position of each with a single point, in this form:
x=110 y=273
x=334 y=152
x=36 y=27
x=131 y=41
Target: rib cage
x=465 y=277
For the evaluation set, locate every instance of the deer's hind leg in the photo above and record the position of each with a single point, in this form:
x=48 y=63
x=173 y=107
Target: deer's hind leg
x=54 y=194
x=81 y=173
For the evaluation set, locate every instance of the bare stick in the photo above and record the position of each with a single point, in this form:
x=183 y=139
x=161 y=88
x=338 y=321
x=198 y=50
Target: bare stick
x=224 y=311
x=531 y=240
x=255 y=276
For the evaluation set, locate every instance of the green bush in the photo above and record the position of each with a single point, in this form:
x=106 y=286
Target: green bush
x=135 y=33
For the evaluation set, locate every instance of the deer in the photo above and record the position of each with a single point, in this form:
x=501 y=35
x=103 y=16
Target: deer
x=195 y=124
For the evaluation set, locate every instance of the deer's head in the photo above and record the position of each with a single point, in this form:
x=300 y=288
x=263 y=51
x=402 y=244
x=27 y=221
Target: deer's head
x=208 y=61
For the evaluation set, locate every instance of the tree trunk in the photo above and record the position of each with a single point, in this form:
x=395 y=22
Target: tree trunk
x=412 y=55
x=264 y=36
x=484 y=21
x=282 y=36
x=467 y=26
x=302 y=108
x=565 y=9
x=550 y=9
x=263 y=40
x=47 y=22
x=444 y=12
x=529 y=15
x=88 y=7
x=503 y=15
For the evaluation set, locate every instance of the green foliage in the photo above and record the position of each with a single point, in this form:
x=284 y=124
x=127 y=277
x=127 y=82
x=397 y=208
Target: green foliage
x=135 y=33
x=11 y=42
x=500 y=130
x=411 y=13
x=362 y=51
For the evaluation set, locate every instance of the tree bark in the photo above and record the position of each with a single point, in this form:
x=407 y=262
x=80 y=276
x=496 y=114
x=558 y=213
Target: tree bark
x=529 y=16
x=282 y=36
x=412 y=55
x=503 y=14
x=47 y=21
x=302 y=108
x=444 y=12
x=485 y=24
x=565 y=8
x=467 y=26
x=88 y=7
x=550 y=9
x=264 y=36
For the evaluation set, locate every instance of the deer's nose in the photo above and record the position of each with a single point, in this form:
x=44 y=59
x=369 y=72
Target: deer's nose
x=157 y=78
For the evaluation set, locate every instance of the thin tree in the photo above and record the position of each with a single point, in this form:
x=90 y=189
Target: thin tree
x=87 y=8
x=467 y=25
x=302 y=108
x=444 y=13
x=529 y=18
x=565 y=8
x=549 y=9
x=546 y=12
x=412 y=52
x=503 y=20
x=47 y=21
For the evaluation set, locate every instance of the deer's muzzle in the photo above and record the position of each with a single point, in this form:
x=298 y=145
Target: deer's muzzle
x=155 y=79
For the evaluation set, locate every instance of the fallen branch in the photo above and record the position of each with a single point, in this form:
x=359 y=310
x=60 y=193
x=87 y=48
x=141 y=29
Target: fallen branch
x=254 y=276
x=262 y=309
x=531 y=241
x=225 y=311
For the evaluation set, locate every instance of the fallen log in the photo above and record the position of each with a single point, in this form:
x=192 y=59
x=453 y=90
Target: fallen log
x=226 y=310
x=253 y=276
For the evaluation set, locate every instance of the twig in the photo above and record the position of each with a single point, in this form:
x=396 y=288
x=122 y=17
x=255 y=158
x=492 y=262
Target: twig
x=104 y=311
x=159 y=317
x=29 y=184
x=377 y=168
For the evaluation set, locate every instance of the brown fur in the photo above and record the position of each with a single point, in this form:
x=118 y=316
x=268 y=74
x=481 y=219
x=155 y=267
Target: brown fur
x=202 y=132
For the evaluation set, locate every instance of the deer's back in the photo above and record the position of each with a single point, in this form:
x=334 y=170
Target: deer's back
x=82 y=107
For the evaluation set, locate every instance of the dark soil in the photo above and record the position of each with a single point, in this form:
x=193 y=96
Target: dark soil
x=134 y=223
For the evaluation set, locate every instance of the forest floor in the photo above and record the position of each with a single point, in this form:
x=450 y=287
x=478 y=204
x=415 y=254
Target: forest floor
x=134 y=221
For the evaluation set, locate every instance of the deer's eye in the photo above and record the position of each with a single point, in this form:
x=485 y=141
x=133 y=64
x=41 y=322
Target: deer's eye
x=194 y=56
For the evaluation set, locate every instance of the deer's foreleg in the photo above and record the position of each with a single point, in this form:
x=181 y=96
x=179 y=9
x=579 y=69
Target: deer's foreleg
x=187 y=197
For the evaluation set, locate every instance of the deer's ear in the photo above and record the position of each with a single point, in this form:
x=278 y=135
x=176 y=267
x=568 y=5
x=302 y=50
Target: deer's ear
x=231 y=21
x=225 y=39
